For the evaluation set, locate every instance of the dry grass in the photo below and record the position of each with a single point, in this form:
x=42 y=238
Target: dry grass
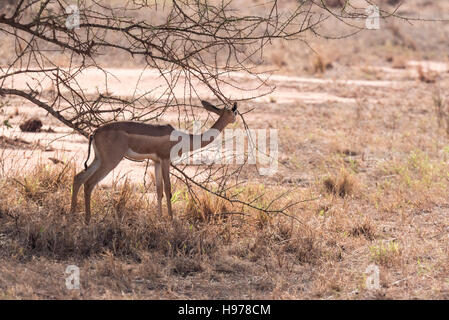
x=320 y=64
x=134 y=248
x=427 y=76
x=342 y=185
x=366 y=214
x=378 y=167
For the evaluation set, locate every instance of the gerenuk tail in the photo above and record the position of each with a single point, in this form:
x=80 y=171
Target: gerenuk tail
x=88 y=151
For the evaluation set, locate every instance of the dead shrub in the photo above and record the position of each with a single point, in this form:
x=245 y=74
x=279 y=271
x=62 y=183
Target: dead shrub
x=320 y=64
x=31 y=125
x=43 y=181
x=364 y=229
x=206 y=207
x=301 y=246
x=124 y=200
x=305 y=248
x=342 y=185
x=386 y=253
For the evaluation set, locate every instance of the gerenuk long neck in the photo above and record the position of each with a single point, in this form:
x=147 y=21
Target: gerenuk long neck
x=208 y=136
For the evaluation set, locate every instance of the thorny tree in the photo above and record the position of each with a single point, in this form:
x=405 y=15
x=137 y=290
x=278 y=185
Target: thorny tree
x=198 y=49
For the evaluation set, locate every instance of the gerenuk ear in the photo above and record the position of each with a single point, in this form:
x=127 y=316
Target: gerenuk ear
x=210 y=107
x=234 y=107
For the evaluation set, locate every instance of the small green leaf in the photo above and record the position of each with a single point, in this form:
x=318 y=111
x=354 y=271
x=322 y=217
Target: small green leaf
x=7 y=124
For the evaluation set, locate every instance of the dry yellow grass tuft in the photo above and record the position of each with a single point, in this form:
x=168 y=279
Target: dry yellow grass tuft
x=204 y=207
x=426 y=76
x=343 y=185
x=320 y=64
